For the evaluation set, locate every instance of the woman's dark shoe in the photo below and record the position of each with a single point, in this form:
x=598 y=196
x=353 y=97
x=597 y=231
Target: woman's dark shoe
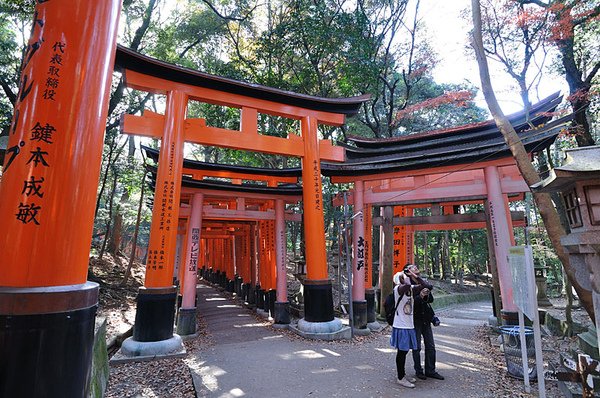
x=435 y=375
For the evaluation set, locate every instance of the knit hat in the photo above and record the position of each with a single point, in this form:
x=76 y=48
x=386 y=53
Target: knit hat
x=398 y=278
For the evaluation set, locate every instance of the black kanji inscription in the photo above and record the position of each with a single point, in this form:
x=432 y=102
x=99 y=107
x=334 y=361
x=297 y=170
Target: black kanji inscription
x=27 y=213
x=42 y=133
x=13 y=151
x=37 y=156
x=33 y=187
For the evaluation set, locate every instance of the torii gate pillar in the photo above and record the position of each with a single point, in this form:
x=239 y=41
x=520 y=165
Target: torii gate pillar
x=155 y=315
x=282 y=305
x=186 y=319
x=501 y=234
x=318 y=294
x=50 y=180
x=359 y=303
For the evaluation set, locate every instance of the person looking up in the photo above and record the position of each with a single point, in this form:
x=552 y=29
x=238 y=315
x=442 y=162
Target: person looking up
x=422 y=316
x=403 y=336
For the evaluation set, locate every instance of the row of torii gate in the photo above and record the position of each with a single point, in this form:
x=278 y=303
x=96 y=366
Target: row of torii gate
x=232 y=219
x=52 y=166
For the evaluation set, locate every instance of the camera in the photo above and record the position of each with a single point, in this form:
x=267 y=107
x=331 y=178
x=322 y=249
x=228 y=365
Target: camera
x=435 y=321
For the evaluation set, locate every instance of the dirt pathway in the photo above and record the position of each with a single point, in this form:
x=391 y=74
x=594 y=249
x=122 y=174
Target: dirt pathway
x=253 y=360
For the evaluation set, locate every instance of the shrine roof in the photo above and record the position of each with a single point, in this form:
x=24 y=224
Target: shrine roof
x=132 y=60
x=198 y=165
x=460 y=145
x=536 y=111
x=214 y=185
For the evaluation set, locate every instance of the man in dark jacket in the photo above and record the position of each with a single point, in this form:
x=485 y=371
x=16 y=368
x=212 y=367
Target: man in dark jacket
x=423 y=315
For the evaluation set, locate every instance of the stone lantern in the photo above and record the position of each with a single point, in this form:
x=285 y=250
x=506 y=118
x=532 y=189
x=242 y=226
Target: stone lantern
x=542 y=286
x=578 y=181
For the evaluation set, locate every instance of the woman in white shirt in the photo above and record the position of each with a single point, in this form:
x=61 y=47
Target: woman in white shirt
x=403 y=336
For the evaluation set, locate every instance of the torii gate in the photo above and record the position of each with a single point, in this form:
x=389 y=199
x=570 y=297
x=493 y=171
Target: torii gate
x=233 y=202
x=464 y=164
x=181 y=85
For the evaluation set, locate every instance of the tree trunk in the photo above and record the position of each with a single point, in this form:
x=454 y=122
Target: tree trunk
x=547 y=211
x=114 y=244
x=446 y=265
x=110 y=211
x=135 y=233
x=426 y=266
x=438 y=252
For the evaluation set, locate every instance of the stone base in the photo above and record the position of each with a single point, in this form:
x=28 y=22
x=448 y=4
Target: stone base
x=186 y=321
x=375 y=326
x=493 y=321
x=362 y=332
x=262 y=313
x=332 y=330
x=140 y=350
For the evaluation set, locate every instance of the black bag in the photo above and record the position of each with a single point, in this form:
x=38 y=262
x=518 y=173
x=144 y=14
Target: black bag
x=435 y=321
x=390 y=308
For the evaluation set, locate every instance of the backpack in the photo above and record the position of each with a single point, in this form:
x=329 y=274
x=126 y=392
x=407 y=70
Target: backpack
x=390 y=308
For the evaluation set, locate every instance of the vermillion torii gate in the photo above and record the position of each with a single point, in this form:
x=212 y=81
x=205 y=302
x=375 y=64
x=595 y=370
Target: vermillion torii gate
x=47 y=198
x=181 y=85
x=226 y=204
x=467 y=164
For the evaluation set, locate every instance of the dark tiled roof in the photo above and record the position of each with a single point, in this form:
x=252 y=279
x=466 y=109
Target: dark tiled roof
x=459 y=145
x=188 y=182
x=197 y=165
x=129 y=59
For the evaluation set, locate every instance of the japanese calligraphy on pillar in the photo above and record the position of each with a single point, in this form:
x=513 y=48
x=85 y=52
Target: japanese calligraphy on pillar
x=399 y=240
x=317 y=185
x=367 y=259
x=493 y=222
x=33 y=139
x=270 y=249
x=194 y=250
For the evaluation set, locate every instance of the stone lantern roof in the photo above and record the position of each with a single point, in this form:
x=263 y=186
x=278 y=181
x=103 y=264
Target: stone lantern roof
x=580 y=164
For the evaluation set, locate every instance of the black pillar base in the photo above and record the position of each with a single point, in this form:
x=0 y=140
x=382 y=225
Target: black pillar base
x=155 y=314
x=230 y=285
x=265 y=300
x=186 y=321
x=281 y=313
x=272 y=299
x=251 y=294
x=318 y=301
x=46 y=340
x=359 y=314
x=370 y=297
x=509 y=318
x=260 y=297
x=244 y=296
x=238 y=285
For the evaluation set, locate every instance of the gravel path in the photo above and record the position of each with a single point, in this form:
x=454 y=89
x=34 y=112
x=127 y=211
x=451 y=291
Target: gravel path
x=251 y=359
